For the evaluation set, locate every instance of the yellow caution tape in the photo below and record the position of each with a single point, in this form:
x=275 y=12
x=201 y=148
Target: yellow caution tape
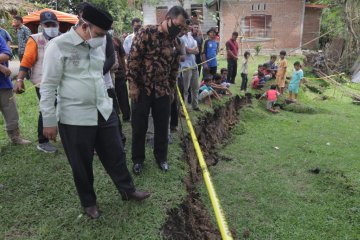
x=219 y=215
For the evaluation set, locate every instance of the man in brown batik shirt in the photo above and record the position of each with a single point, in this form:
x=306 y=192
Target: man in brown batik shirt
x=153 y=64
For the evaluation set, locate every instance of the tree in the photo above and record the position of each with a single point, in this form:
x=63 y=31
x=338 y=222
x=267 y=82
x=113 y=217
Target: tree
x=342 y=20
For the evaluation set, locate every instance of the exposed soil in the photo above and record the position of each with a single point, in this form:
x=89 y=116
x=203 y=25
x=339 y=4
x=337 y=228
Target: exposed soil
x=191 y=219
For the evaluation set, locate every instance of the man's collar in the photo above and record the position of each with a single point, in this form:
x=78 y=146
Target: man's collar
x=77 y=40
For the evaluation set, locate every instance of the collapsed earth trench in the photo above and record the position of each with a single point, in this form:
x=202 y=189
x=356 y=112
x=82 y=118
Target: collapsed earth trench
x=191 y=219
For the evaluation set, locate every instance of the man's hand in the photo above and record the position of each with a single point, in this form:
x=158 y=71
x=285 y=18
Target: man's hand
x=172 y=96
x=50 y=133
x=205 y=66
x=134 y=93
x=19 y=87
x=6 y=71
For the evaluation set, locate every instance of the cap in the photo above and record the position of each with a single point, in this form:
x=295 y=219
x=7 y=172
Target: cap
x=48 y=16
x=211 y=30
x=97 y=17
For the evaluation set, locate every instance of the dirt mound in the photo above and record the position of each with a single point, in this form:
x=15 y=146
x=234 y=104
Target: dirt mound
x=191 y=219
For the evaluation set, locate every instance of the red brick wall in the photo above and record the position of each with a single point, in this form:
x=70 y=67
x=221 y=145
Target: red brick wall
x=311 y=27
x=286 y=27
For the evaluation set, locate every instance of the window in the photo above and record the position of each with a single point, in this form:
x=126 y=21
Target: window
x=258 y=7
x=160 y=14
x=197 y=13
x=257 y=26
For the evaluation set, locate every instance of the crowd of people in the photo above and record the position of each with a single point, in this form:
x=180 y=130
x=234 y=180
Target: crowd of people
x=85 y=77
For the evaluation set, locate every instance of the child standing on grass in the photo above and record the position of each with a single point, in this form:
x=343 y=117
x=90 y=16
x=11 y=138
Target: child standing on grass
x=281 y=72
x=295 y=82
x=271 y=95
x=245 y=71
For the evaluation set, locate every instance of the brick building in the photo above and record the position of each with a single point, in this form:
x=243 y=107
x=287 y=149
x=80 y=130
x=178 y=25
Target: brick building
x=274 y=24
x=206 y=11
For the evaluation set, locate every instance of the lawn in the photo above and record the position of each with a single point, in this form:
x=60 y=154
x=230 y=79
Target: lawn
x=269 y=192
x=269 y=183
x=38 y=199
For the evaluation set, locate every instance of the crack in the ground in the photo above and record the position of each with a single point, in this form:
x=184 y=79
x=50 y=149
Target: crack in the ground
x=191 y=219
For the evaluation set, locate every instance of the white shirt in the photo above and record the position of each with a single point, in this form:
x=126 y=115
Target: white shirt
x=127 y=43
x=75 y=72
x=189 y=42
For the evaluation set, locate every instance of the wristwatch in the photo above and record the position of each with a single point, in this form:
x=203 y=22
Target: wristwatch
x=19 y=80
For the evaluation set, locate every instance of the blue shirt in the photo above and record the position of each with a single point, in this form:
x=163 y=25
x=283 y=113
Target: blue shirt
x=210 y=51
x=5 y=35
x=296 y=77
x=5 y=82
x=204 y=87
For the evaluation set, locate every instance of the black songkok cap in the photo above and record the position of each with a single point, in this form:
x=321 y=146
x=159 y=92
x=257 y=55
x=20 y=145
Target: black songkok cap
x=97 y=17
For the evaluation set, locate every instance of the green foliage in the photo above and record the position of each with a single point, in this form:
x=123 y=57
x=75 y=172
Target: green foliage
x=7 y=24
x=268 y=189
x=39 y=199
x=299 y=108
x=257 y=48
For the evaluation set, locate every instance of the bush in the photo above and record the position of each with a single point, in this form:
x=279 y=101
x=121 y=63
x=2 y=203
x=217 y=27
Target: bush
x=257 y=48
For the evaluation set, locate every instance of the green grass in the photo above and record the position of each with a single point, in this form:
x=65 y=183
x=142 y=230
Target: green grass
x=266 y=190
x=271 y=192
x=39 y=200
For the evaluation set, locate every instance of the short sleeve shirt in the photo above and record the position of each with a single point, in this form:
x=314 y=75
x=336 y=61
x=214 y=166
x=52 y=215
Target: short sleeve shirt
x=210 y=51
x=207 y=88
x=5 y=35
x=296 y=77
x=5 y=82
x=23 y=33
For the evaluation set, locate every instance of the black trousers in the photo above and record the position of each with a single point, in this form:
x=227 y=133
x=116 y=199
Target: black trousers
x=160 y=110
x=122 y=96
x=174 y=113
x=79 y=144
x=112 y=94
x=198 y=61
x=232 y=70
x=41 y=137
x=244 y=81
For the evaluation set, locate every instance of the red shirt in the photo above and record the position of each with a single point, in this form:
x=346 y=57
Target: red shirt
x=232 y=46
x=255 y=83
x=271 y=95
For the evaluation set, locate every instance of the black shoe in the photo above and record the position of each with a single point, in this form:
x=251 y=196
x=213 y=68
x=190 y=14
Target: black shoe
x=197 y=109
x=173 y=129
x=93 y=212
x=164 y=166
x=137 y=196
x=137 y=168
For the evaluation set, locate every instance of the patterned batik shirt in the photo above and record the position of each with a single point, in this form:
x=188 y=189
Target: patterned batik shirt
x=23 y=34
x=153 y=61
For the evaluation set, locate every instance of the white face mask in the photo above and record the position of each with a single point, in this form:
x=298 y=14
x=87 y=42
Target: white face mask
x=52 y=31
x=95 y=42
